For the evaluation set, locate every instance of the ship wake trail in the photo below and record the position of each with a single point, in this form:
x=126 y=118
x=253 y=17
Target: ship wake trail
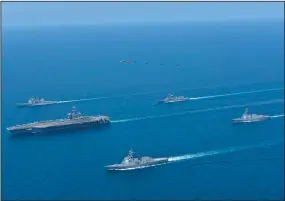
x=277 y=116
x=223 y=151
x=194 y=98
x=104 y=97
x=80 y=100
x=235 y=94
x=200 y=111
x=149 y=93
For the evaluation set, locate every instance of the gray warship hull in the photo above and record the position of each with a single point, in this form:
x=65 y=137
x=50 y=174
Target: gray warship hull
x=241 y=120
x=36 y=104
x=170 y=101
x=58 y=125
x=156 y=161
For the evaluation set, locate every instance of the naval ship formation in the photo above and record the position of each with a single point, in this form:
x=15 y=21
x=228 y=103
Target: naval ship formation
x=32 y=102
x=249 y=118
x=74 y=120
x=131 y=162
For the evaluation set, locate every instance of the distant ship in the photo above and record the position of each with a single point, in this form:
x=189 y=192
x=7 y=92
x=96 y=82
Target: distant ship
x=128 y=61
x=173 y=99
x=131 y=162
x=32 y=102
x=249 y=118
x=74 y=120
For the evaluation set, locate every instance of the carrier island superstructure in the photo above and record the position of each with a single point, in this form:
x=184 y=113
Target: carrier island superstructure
x=74 y=120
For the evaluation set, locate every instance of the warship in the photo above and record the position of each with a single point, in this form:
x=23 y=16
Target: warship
x=249 y=118
x=32 y=102
x=128 y=61
x=173 y=99
x=131 y=162
x=74 y=120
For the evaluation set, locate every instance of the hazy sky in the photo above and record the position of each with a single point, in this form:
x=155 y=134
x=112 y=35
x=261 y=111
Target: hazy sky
x=55 y=13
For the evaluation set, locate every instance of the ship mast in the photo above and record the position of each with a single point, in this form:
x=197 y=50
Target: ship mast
x=245 y=113
x=131 y=153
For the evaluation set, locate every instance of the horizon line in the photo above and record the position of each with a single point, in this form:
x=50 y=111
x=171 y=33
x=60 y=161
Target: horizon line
x=118 y=23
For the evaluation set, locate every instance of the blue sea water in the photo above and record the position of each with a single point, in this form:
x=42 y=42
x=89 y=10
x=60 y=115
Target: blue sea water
x=68 y=63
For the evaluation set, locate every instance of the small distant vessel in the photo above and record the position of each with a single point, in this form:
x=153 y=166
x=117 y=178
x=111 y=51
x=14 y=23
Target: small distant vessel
x=74 y=120
x=131 y=162
x=249 y=118
x=32 y=102
x=173 y=99
x=128 y=61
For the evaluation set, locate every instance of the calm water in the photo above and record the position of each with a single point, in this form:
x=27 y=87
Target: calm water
x=83 y=62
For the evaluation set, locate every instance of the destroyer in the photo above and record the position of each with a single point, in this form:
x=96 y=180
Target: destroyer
x=249 y=118
x=74 y=120
x=32 y=102
x=131 y=162
x=173 y=99
x=128 y=61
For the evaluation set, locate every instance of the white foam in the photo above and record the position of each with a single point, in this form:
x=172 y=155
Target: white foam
x=222 y=151
x=276 y=116
x=104 y=97
x=80 y=100
x=235 y=94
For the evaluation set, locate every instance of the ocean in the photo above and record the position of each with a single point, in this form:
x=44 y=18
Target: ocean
x=228 y=65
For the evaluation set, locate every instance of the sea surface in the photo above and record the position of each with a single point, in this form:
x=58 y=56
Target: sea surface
x=243 y=61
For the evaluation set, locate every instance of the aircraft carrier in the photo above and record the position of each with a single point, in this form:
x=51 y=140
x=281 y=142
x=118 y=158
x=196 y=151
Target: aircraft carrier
x=130 y=162
x=249 y=118
x=74 y=120
x=32 y=102
x=173 y=99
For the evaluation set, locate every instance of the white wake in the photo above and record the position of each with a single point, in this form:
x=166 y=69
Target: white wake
x=276 y=116
x=194 y=98
x=235 y=94
x=222 y=151
x=200 y=111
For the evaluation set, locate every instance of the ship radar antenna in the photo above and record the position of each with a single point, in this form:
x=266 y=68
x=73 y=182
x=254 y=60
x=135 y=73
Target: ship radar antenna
x=74 y=109
x=131 y=152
